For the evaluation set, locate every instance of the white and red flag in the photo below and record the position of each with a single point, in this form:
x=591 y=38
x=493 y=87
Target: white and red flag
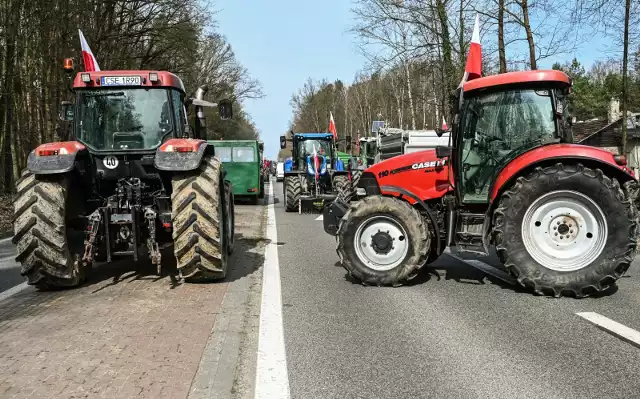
x=316 y=162
x=332 y=126
x=444 y=124
x=473 y=68
x=90 y=62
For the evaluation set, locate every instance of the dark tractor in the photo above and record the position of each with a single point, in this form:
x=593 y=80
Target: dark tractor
x=135 y=176
x=314 y=174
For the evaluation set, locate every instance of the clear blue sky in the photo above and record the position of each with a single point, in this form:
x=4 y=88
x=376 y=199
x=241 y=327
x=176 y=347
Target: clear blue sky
x=284 y=42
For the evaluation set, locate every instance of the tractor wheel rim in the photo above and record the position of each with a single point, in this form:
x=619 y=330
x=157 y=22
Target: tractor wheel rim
x=384 y=257
x=564 y=230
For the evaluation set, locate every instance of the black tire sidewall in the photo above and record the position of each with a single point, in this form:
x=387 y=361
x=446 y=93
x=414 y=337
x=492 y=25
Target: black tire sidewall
x=364 y=272
x=615 y=212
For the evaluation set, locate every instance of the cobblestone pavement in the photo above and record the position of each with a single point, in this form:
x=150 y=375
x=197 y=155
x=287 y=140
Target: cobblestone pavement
x=130 y=333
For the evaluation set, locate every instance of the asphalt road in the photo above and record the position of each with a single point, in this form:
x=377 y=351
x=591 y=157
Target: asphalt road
x=453 y=334
x=9 y=269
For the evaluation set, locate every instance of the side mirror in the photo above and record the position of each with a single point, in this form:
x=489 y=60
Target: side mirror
x=283 y=142
x=348 y=139
x=261 y=146
x=66 y=111
x=225 y=109
x=443 y=152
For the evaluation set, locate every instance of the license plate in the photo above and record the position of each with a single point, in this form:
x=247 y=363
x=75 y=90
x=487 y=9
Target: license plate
x=121 y=81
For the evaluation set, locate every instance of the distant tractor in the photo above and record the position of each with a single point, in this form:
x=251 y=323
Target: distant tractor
x=314 y=174
x=135 y=176
x=561 y=216
x=242 y=160
x=364 y=159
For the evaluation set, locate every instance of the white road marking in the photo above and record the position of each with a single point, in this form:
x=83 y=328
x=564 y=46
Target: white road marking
x=272 y=378
x=320 y=217
x=614 y=328
x=13 y=290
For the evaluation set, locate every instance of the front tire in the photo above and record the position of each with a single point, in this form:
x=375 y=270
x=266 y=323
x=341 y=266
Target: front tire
x=292 y=192
x=46 y=248
x=198 y=222
x=343 y=186
x=383 y=241
x=558 y=238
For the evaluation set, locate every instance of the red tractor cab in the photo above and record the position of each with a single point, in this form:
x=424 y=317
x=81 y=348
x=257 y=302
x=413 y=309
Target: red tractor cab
x=561 y=216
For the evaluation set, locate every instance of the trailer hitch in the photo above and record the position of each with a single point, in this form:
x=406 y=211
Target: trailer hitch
x=152 y=245
x=95 y=220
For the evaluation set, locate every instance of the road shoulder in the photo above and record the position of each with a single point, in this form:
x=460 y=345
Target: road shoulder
x=227 y=366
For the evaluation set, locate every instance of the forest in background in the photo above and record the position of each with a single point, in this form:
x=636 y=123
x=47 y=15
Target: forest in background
x=175 y=35
x=416 y=53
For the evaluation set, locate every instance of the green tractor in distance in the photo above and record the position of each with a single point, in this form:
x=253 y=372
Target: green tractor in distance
x=364 y=159
x=242 y=159
x=314 y=174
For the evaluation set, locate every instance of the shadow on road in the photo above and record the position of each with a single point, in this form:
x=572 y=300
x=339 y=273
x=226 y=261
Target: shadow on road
x=449 y=268
x=247 y=257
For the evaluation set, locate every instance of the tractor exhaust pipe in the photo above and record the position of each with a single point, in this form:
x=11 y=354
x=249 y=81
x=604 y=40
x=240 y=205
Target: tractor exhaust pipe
x=201 y=122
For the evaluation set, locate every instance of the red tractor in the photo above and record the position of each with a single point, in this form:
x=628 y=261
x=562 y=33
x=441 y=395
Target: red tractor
x=134 y=177
x=561 y=216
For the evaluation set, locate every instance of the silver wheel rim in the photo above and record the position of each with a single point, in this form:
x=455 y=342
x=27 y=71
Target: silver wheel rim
x=564 y=230
x=369 y=255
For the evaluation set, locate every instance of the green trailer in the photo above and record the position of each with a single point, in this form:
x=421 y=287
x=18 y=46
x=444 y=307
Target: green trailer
x=242 y=159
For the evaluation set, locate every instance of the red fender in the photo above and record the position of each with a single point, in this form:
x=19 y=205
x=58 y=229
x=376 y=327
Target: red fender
x=555 y=152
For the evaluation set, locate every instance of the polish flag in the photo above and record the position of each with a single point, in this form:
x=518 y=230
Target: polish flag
x=90 y=62
x=332 y=126
x=444 y=124
x=473 y=69
x=316 y=162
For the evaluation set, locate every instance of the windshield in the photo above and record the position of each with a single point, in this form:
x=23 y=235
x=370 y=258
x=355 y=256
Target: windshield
x=224 y=153
x=322 y=147
x=244 y=154
x=123 y=119
x=516 y=118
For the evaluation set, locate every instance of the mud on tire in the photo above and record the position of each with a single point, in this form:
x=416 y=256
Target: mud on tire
x=404 y=215
x=292 y=191
x=620 y=216
x=198 y=222
x=40 y=233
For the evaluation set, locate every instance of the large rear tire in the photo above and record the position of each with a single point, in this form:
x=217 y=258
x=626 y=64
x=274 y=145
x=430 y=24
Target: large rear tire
x=566 y=230
x=355 y=180
x=41 y=235
x=292 y=192
x=343 y=186
x=198 y=222
x=383 y=241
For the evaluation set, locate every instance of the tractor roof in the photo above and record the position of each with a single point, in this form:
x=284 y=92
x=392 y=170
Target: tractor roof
x=314 y=135
x=514 y=78
x=165 y=79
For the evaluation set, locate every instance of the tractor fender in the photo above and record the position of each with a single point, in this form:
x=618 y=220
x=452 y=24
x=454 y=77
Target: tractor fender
x=548 y=155
x=416 y=200
x=181 y=155
x=55 y=158
x=552 y=154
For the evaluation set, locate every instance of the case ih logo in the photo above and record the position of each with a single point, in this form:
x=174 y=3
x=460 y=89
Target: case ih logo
x=432 y=164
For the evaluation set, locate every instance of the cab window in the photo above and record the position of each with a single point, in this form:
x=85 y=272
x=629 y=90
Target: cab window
x=224 y=153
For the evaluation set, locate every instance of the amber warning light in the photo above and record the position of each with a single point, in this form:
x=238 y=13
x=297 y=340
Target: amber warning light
x=68 y=64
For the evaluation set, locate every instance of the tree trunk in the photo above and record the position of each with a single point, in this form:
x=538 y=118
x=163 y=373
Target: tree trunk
x=527 y=28
x=501 y=50
x=625 y=61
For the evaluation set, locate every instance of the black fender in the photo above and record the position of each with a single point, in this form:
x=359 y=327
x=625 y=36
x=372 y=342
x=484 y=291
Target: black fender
x=181 y=161
x=340 y=173
x=53 y=164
